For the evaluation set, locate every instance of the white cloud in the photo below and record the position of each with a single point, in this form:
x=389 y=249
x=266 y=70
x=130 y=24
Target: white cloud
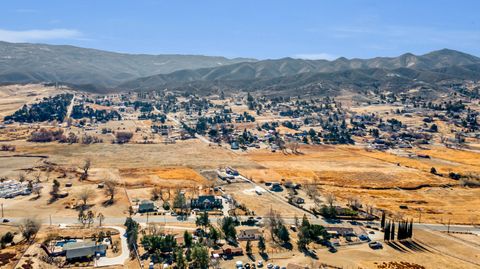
x=316 y=56
x=38 y=35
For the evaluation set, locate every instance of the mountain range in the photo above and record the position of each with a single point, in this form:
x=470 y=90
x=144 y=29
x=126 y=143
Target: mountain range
x=315 y=77
x=24 y=63
x=102 y=71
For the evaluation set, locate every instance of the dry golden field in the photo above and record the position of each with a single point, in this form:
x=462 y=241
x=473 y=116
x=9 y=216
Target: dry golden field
x=381 y=179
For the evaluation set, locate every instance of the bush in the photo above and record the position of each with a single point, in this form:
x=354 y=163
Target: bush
x=123 y=137
x=7 y=238
x=43 y=135
x=455 y=176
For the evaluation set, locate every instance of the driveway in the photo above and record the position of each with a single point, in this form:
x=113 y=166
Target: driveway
x=118 y=260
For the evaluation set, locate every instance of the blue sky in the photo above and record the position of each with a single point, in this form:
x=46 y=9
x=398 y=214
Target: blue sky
x=248 y=28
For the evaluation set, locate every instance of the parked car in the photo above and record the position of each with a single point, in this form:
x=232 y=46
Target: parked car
x=260 y=263
x=375 y=245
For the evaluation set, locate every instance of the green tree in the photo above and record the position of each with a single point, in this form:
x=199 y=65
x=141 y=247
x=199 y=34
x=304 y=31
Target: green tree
x=261 y=244
x=132 y=233
x=179 y=201
x=200 y=257
x=228 y=228
x=202 y=220
x=187 y=238
x=248 y=248
x=180 y=259
x=382 y=222
x=213 y=234
x=283 y=234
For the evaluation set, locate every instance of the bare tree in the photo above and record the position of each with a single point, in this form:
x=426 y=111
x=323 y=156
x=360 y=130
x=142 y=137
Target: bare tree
x=37 y=176
x=156 y=193
x=29 y=227
x=85 y=168
x=21 y=177
x=354 y=202
x=100 y=218
x=84 y=195
x=330 y=198
x=165 y=194
x=37 y=190
x=90 y=217
x=111 y=189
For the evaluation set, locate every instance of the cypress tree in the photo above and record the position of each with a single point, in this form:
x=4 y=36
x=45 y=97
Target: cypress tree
x=382 y=223
x=410 y=230
x=392 y=232
x=399 y=230
x=407 y=230
x=386 y=235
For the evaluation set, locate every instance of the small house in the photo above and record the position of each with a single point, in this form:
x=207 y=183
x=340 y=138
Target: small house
x=233 y=251
x=146 y=206
x=81 y=250
x=343 y=231
x=249 y=234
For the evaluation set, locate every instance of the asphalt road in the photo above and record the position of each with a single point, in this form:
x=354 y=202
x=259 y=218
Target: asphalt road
x=56 y=220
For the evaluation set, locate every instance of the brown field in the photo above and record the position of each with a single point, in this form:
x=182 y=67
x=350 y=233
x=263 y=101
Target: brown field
x=380 y=179
x=177 y=165
x=165 y=176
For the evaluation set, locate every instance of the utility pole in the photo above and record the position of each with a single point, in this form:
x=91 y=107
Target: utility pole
x=448 y=229
x=147 y=218
x=50 y=220
x=2 y=210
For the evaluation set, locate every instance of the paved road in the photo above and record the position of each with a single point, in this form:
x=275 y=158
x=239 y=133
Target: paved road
x=56 y=220
x=118 y=260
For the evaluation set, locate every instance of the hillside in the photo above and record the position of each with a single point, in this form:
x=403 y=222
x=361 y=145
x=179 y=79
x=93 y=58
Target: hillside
x=250 y=75
x=24 y=62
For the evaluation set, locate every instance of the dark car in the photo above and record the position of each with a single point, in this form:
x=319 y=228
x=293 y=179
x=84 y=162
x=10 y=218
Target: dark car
x=375 y=245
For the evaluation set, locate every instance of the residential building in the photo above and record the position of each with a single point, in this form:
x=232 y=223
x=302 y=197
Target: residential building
x=206 y=202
